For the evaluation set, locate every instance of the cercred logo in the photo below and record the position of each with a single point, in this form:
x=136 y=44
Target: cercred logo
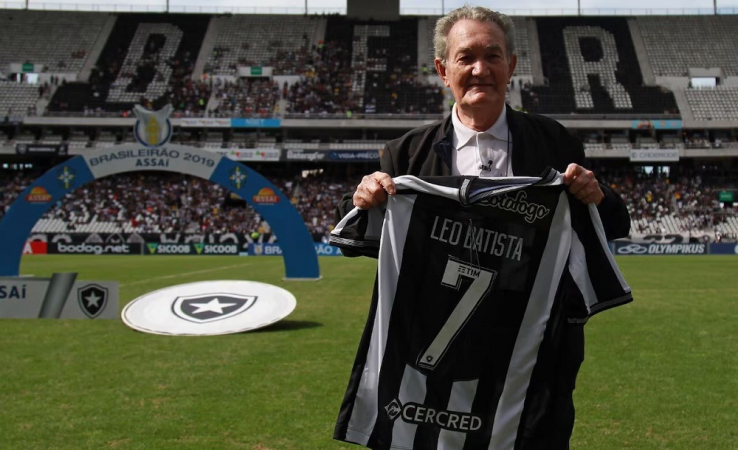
x=419 y=414
x=152 y=129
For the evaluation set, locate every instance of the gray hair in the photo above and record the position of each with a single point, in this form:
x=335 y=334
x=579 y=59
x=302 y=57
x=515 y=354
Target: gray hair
x=478 y=13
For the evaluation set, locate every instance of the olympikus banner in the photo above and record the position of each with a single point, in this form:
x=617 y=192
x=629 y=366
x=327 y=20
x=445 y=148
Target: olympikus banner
x=152 y=131
x=632 y=248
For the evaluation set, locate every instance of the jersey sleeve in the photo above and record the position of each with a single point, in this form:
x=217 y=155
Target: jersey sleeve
x=359 y=232
x=598 y=280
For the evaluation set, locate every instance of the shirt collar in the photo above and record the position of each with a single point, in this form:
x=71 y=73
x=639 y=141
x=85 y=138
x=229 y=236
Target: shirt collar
x=463 y=134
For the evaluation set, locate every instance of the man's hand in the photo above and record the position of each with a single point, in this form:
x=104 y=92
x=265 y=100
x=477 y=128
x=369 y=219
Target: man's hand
x=582 y=184
x=373 y=190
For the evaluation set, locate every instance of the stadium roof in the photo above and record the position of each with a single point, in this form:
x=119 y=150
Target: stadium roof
x=407 y=7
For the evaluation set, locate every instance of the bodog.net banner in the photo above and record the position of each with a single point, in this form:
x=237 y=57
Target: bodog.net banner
x=86 y=248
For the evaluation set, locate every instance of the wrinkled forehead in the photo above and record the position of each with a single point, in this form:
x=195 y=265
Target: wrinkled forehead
x=471 y=35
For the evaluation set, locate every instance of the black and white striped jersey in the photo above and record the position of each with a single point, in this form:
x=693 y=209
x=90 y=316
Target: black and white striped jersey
x=475 y=276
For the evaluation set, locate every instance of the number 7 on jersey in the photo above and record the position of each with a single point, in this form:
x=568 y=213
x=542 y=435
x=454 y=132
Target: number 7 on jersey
x=452 y=276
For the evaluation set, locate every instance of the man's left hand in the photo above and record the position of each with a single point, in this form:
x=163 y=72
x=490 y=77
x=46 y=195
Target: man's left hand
x=583 y=184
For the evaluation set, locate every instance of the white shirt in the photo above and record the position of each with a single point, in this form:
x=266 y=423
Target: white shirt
x=490 y=148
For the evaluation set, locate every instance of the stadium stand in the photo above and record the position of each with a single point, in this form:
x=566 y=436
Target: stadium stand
x=718 y=103
x=383 y=67
x=591 y=67
x=18 y=100
x=148 y=60
x=245 y=97
x=325 y=85
x=257 y=40
x=61 y=40
x=684 y=202
x=333 y=67
x=677 y=43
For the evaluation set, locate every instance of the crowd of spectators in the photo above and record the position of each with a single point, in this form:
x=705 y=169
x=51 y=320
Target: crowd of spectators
x=245 y=97
x=159 y=202
x=154 y=202
x=325 y=85
x=686 y=196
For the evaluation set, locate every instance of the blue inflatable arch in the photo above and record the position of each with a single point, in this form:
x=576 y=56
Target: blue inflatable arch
x=300 y=258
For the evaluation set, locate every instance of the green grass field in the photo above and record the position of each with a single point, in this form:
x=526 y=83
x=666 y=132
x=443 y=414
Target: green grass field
x=660 y=373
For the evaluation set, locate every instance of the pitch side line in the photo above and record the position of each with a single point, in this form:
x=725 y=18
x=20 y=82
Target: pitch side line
x=181 y=274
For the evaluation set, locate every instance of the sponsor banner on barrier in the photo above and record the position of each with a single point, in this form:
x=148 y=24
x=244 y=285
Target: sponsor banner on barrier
x=137 y=241
x=723 y=249
x=192 y=248
x=35 y=248
x=646 y=124
x=632 y=248
x=87 y=248
x=58 y=297
x=304 y=155
x=654 y=155
x=251 y=154
x=209 y=122
x=274 y=250
x=42 y=149
x=255 y=123
x=353 y=155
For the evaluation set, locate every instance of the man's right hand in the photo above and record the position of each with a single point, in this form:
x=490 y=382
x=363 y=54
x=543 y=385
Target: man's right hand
x=373 y=190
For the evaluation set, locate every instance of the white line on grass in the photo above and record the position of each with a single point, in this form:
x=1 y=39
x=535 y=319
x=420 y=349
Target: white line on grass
x=181 y=274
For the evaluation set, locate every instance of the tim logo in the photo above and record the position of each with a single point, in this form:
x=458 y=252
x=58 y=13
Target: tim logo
x=206 y=308
x=92 y=299
x=153 y=129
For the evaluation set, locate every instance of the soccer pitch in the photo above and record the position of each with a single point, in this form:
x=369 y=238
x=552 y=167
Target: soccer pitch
x=660 y=373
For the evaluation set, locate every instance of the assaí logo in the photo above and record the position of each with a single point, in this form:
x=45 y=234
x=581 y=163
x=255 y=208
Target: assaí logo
x=266 y=196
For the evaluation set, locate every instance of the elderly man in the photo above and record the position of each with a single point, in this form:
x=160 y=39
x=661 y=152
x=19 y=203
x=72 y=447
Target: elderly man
x=475 y=58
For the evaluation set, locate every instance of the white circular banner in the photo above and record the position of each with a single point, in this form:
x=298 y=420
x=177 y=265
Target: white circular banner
x=209 y=308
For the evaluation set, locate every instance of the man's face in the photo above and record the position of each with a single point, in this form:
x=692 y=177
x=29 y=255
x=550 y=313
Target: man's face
x=477 y=66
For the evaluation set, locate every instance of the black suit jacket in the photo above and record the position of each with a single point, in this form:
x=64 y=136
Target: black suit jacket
x=537 y=142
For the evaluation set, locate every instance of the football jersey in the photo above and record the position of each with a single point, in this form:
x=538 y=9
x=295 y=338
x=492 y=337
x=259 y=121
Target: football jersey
x=474 y=277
